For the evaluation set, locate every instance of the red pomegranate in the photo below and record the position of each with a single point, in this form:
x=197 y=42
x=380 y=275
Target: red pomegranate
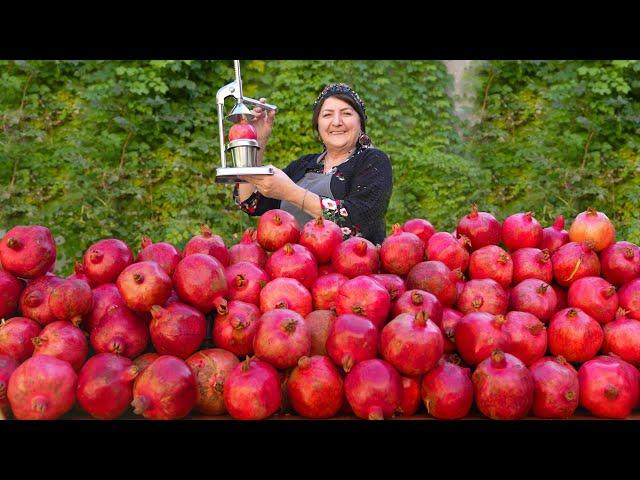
x=28 y=251
x=352 y=339
x=503 y=387
x=450 y=319
x=620 y=263
x=207 y=243
x=412 y=343
x=143 y=285
x=293 y=261
x=421 y=228
x=276 y=228
x=105 y=385
x=235 y=327
x=629 y=298
x=177 y=330
x=248 y=250
x=34 y=300
x=484 y=295
x=436 y=278
x=478 y=334
x=393 y=283
x=373 y=389
x=321 y=237
x=104 y=260
x=401 y=251
x=446 y=248
x=200 y=281
x=163 y=253
x=15 y=337
x=325 y=290
x=64 y=341
x=556 y=388
x=594 y=227
x=319 y=323
x=521 y=230
x=534 y=297
x=481 y=228
x=79 y=274
x=573 y=261
x=574 y=335
x=10 y=290
x=120 y=331
x=526 y=337
x=555 y=236
x=7 y=367
x=166 y=390
x=143 y=361
x=364 y=296
x=595 y=296
x=104 y=296
x=282 y=337
x=414 y=301
x=211 y=368
x=245 y=280
x=608 y=387
x=561 y=296
x=447 y=391
x=410 y=396
x=356 y=256
x=42 y=388
x=532 y=263
x=621 y=337
x=491 y=262
x=315 y=387
x=288 y=293
x=252 y=390
x=71 y=300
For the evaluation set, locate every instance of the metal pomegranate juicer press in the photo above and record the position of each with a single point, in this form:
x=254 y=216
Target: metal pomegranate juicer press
x=243 y=151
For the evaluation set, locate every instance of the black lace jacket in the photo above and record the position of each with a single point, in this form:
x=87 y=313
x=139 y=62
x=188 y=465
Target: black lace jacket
x=361 y=187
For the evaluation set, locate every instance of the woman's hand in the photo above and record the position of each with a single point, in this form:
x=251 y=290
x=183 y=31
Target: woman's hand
x=278 y=186
x=263 y=123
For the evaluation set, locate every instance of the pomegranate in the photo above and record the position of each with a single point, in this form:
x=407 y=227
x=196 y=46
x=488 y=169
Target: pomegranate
x=166 y=390
x=393 y=283
x=245 y=280
x=491 y=262
x=534 y=297
x=436 y=278
x=104 y=296
x=447 y=391
x=620 y=263
x=34 y=300
x=248 y=250
x=79 y=274
x=235 y=327
x=42 y=388
x=276 y=228
x=120 y=331
x=401 y=251
x=484 y=295
x=410 y=396
x=450 y=319
x=143 y=285
x=28 y=251
x=574 y=335
x=526 y=337
x=7 y=367
x=608 y=387
x=478 y=334
x=532 y=263
x=252 y=390
x=412 y=343
x=207 y=243
x=315 y=387
x=105 y=385
x=481 y=228
x=364 y=296
x=356 y=256
x=64 y=341
x=325 y=290
x=421 y=228
x=10 y=290
x=199 y=281
x=573 y=261
x=595 y=296
x=503 y=387
x=319 y=323
x=282 y=337
x=448 y=249
x=163 y=253
x=288 y=293
x=621 y=337
x=177 y=330
x=104 y=260
x=555 y=236
x=211 y=368
x=561 y=296
x=321 y=237
x=629 y=298
x=521 y=230
x=352 y=339
x=414 y=301
x=594 y=227
x=293 y=261
x=143 y=361
x=373 y=389
x=71 y=300
x=556 y=388
x=15 y=337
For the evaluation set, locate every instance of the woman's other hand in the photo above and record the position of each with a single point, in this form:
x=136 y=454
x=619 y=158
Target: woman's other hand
x=263 y=123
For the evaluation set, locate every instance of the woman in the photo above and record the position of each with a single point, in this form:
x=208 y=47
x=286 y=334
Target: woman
x=349 y=182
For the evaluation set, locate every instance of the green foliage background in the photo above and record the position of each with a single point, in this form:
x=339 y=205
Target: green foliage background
x=98 y=149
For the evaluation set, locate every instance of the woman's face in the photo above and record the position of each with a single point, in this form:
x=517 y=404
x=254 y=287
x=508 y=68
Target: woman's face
x=338 y=124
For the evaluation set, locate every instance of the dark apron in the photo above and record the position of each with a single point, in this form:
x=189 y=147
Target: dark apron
x=318 y=183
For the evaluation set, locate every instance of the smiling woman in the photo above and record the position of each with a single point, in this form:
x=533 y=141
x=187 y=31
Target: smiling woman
x=349 y=182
